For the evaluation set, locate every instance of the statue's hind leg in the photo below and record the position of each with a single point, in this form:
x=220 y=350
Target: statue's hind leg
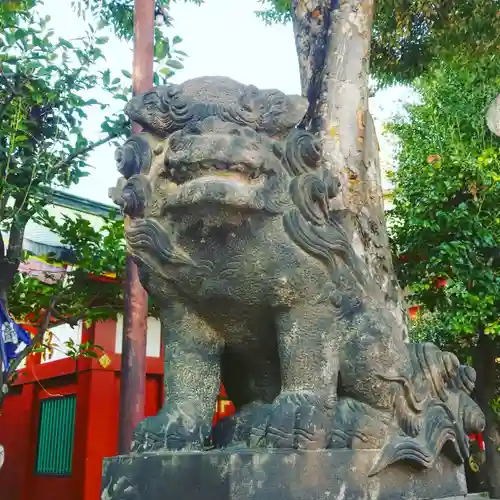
x=300 y=415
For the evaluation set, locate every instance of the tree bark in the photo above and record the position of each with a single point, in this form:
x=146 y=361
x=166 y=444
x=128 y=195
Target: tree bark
x=333 y=47
x=11 y=258
x=484 y=361
x=9 y=264
x=7 y=273
x=44 y=325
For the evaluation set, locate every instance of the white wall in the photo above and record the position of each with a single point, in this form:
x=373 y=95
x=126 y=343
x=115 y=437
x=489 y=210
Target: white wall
x=153 y=343
x=63 y=333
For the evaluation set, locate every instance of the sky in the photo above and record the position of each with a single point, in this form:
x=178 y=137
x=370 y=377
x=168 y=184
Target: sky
x=221 y=37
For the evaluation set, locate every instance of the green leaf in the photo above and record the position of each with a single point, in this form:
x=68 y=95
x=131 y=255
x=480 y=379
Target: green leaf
x=101 y=40
x=20 y=33
x=166 y=72
x=103 y=23
x=126 y=74
x=172 y=63
x=161 y=49
x=177 y=39
x=65 y=43
x=106 y=77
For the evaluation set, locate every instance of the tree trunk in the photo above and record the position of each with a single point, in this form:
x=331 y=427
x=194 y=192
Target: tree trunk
x=9 y=264
x=485 y=356
x=7 y=273
x=333 y=44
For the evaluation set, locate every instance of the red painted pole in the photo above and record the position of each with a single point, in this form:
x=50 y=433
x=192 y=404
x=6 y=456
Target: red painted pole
x=133 y=367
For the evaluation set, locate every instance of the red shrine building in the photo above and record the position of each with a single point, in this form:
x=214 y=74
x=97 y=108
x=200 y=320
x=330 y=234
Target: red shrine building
x=60 y=418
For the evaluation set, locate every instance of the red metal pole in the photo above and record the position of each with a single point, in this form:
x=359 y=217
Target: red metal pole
x=133 y=367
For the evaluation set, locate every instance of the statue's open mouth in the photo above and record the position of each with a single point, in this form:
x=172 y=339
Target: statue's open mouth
x=215 y=171
x=236 y=185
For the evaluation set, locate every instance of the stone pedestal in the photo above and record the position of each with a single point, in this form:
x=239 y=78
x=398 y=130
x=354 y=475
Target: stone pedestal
x=273 y=475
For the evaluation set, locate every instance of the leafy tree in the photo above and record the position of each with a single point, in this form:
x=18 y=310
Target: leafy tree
x=446 y=209
x=10 y=10
x=89 y=290
x=409 y=35
x=42 y=110
x=119 y=15
x=91 y=285
x=43 y=83
x=446 y=220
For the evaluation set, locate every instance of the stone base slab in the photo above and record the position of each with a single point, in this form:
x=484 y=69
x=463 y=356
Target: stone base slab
x=274 y=475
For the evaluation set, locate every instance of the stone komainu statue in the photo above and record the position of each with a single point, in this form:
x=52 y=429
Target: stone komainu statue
x=258 y=285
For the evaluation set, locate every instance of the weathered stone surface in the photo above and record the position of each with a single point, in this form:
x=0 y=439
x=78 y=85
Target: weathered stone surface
x=273 y=475
x=237 y=239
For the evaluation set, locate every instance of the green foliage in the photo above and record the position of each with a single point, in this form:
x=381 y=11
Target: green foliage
x=410 y=35
x=119 y=16
x=43 y=82
x=98 y=250
x=10 y=10
x=275 y=11
x=446 y=218
x=42 y=109
x=433 y=327
x=92 y=290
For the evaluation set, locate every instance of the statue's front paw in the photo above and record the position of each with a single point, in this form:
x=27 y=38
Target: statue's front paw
x=297 y=420
x=175 y=427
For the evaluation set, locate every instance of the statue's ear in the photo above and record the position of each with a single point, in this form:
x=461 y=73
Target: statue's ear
x=297 y=108
x=282 y=112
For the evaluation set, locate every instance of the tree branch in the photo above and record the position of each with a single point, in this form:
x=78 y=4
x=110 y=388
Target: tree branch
x=72 y=321
x=4 y=380
x=12 y=89
x=73 y=156
x=36 y=339
x=5 y=105
x=13 y=93
x=16 y=234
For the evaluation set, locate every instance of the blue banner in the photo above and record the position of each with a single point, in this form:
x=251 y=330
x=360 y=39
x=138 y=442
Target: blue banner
x=11 y=335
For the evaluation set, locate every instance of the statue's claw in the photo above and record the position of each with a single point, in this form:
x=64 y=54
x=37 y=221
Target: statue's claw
x=295 y=420
x=171 y=429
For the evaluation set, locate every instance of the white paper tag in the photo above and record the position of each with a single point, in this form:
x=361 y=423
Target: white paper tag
x=9 y=334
